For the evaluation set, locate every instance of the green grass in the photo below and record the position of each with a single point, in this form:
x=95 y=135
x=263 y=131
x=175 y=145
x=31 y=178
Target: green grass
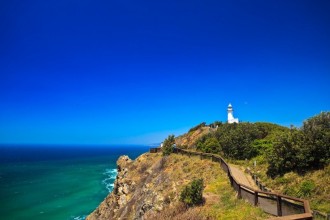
x=228 y=206
x=313 y=186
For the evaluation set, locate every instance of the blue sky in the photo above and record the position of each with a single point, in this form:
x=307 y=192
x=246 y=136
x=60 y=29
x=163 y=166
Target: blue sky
x=132 y=72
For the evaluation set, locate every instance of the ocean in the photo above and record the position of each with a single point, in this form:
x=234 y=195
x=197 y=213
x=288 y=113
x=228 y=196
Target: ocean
x=57 y=182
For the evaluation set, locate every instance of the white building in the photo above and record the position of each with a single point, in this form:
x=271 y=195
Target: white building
x=231 y=118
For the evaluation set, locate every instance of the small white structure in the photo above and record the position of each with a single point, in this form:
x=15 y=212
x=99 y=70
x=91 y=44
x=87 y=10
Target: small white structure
x=231 y=118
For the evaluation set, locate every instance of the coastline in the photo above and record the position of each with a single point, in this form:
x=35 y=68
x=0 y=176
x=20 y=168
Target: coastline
x=42 y=182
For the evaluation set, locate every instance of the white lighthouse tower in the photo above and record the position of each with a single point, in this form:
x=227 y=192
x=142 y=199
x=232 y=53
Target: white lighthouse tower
x=231 y=118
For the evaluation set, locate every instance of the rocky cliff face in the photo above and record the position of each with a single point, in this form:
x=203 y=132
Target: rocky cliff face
x=149 y=188
x=138 y=189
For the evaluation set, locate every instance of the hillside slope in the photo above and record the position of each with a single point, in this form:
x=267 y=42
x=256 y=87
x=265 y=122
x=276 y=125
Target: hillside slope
x=189 y=139
x=292 y=161
x=150 y=186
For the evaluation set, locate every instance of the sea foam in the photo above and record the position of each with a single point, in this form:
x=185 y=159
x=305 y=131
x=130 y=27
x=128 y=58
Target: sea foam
x=111 y=175
x=78 y=217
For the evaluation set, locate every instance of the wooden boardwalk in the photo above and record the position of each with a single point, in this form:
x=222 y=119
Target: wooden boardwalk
x=241 y=177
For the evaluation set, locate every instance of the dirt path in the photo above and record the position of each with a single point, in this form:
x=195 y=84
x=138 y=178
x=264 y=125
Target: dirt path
x=242 y=177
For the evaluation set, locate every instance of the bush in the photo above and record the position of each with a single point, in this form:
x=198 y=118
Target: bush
x=192 y=194
x=236 y=140
x=168 y=145
x=284 y=157
x=301 y=150
x=208 y=144
x=316 y=147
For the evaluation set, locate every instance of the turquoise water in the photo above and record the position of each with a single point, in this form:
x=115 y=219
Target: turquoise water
x=50 y=182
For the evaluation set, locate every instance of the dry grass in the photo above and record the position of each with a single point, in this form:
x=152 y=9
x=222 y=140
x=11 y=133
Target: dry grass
x=189 y=139
x=220 y=198
x=177 y=212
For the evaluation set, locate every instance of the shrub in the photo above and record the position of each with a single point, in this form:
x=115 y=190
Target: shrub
x=236 y=140
x=192 y=194
x=300 y=150
x=283 y=157
x=208 y=144
x=168 y=145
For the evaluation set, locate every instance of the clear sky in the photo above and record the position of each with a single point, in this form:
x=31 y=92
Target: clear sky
x=132 y=72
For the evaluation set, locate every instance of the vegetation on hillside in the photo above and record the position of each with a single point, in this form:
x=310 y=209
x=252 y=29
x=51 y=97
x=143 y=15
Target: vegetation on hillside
x=219 y=198
x=286 y=150
x=192 y=194
x=187 y=141
x=168 y=145
x=240 y=141
x=294 y=161
x=304 y=149
x=203 y=124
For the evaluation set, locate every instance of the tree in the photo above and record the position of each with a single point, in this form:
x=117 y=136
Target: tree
x=192 y=194
x=302 y=149
x=168 y=145
x=236 y=140
x=212 y=145
x=208 y=144
x=240 y=141
x=285 y=157
x=317 y=140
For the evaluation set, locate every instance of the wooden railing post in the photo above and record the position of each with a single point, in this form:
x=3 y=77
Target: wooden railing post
x=255 y=198
x=239 y=193
x=230 y=178
x=279 y=205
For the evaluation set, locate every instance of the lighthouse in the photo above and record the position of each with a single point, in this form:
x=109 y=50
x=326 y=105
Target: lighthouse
x=231 y=118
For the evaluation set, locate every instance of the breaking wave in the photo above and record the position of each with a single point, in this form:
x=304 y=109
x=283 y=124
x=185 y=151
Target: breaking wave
x=79 y=217
x=111 y=175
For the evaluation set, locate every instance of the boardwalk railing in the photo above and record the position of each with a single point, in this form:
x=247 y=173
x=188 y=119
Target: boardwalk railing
x=272 y=203
x=155 y=150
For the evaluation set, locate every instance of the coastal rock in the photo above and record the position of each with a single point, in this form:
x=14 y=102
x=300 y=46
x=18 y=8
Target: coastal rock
x=137 y=189
x=149 y=188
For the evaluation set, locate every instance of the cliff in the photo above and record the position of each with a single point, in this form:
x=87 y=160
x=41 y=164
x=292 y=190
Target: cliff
x=149 y=188
x=132 y=196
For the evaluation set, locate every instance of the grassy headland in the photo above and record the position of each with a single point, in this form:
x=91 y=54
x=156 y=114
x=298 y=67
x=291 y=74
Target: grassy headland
x=292 y=161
